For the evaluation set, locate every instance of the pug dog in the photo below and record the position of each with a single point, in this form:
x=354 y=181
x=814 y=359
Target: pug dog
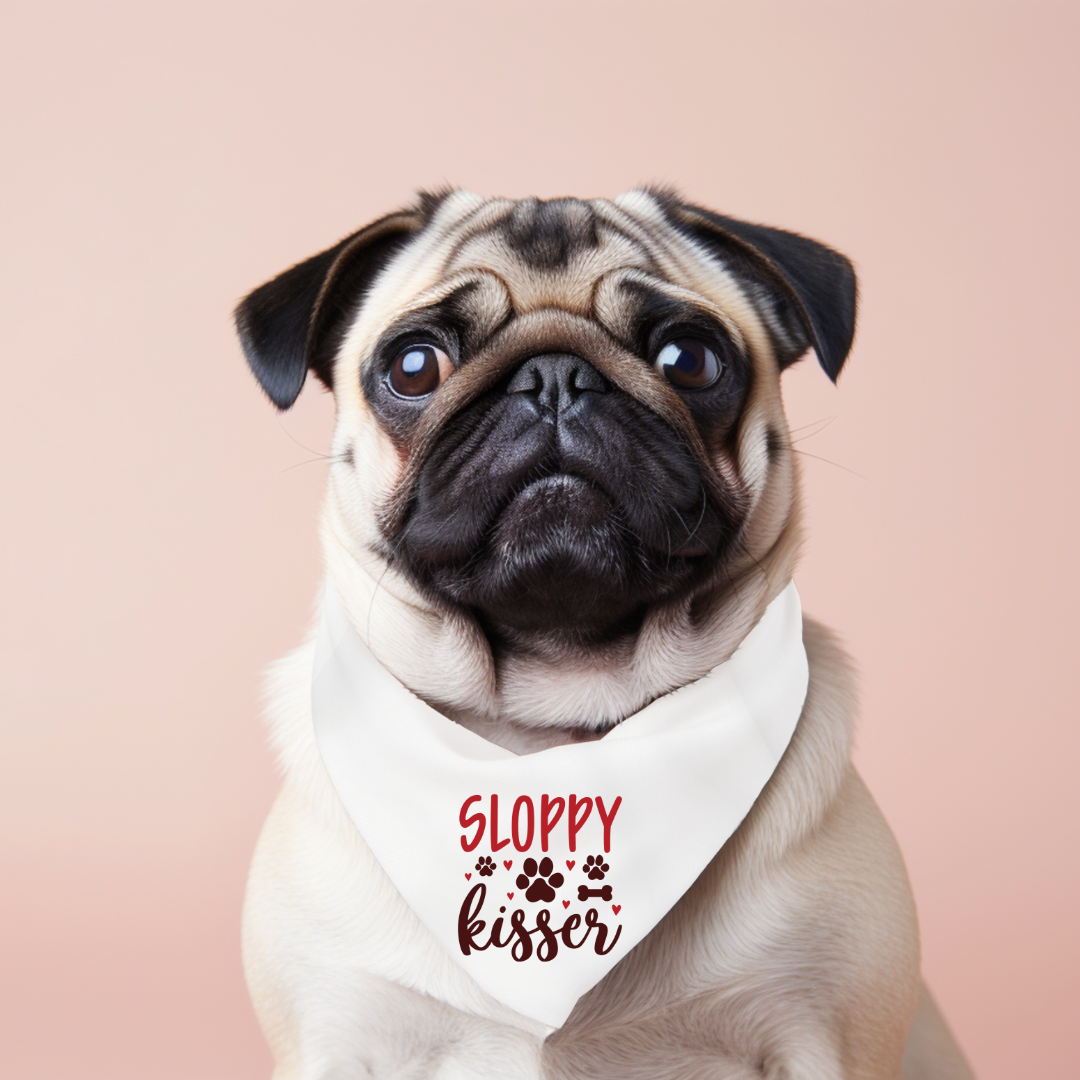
x=561 y=486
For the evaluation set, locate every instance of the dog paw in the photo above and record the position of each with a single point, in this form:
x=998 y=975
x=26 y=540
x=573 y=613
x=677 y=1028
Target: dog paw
x=543 y=888
x=486 y=866
x=595 y=867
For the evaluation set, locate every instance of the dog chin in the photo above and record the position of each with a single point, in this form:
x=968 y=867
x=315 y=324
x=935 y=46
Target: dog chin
x=559 y=560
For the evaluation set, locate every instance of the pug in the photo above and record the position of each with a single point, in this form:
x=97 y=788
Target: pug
x=562 y=486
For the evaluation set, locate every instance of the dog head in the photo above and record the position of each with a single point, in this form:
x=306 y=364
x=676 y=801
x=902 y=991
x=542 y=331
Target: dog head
x=557 y=419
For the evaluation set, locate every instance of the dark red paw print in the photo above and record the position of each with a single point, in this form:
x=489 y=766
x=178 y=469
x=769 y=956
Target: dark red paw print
x=543 y=888
x=595 y=867
x=486 y=866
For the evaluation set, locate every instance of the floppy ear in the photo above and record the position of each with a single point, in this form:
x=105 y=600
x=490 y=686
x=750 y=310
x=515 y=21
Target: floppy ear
x=296 y=321
x=816 y=284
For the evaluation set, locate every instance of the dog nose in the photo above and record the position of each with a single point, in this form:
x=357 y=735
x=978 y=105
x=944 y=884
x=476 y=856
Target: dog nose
x=557 y=380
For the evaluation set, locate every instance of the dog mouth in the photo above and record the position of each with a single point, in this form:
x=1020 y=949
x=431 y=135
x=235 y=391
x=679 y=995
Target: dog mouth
x=558 y=553
x=574 y=525
x=558 y=501
x=565 y=505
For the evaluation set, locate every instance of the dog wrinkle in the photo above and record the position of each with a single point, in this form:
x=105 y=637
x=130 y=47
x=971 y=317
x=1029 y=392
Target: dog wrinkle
x=616 y=305
x=540 y=285
x=546 y=234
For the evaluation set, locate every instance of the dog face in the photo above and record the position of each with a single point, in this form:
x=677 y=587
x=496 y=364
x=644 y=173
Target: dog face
x=557 y=416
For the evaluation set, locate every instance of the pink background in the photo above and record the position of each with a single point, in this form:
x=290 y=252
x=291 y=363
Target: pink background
x=162 y=159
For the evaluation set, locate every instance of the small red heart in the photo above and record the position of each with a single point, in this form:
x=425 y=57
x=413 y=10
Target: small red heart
x=566 y=903
x=510 y=895
x=508 y=863
x=571 y=863
x=616 y=908
x=468 y=877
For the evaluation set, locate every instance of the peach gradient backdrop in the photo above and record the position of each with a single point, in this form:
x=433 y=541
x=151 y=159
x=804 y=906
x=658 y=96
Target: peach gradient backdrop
x=162 y=159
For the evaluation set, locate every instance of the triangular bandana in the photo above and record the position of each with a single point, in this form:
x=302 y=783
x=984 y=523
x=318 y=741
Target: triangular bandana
x=539 y=873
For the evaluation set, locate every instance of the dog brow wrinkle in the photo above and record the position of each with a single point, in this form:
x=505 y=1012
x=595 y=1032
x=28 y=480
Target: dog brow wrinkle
x=548 y=234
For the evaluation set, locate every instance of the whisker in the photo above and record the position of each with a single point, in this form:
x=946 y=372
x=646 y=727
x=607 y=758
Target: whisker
x=818 y=426
x=333 y=458
x=309 y=449
x=817 y=457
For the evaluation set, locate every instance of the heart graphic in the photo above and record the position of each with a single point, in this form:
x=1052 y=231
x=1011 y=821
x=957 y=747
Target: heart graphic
x=468 y=877
x=510 y=896
x=616 y=908
x=508 y=863
x=570 y=863
x=566 y=903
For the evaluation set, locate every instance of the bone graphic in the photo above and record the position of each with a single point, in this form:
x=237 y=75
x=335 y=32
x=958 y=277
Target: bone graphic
x=584 y=892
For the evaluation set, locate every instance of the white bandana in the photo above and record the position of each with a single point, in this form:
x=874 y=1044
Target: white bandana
x=538 y=873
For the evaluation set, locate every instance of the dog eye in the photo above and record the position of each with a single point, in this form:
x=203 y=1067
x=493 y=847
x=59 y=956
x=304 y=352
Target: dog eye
x=689 y=364
x=418 y=370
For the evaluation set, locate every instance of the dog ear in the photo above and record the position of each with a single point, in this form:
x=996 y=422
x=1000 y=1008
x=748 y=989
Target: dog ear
x=295 y=322
x=815 y=284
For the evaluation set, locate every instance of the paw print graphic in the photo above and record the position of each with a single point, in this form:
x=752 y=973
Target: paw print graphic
x=486 y=866
x=543 y=888
x=595 y=867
